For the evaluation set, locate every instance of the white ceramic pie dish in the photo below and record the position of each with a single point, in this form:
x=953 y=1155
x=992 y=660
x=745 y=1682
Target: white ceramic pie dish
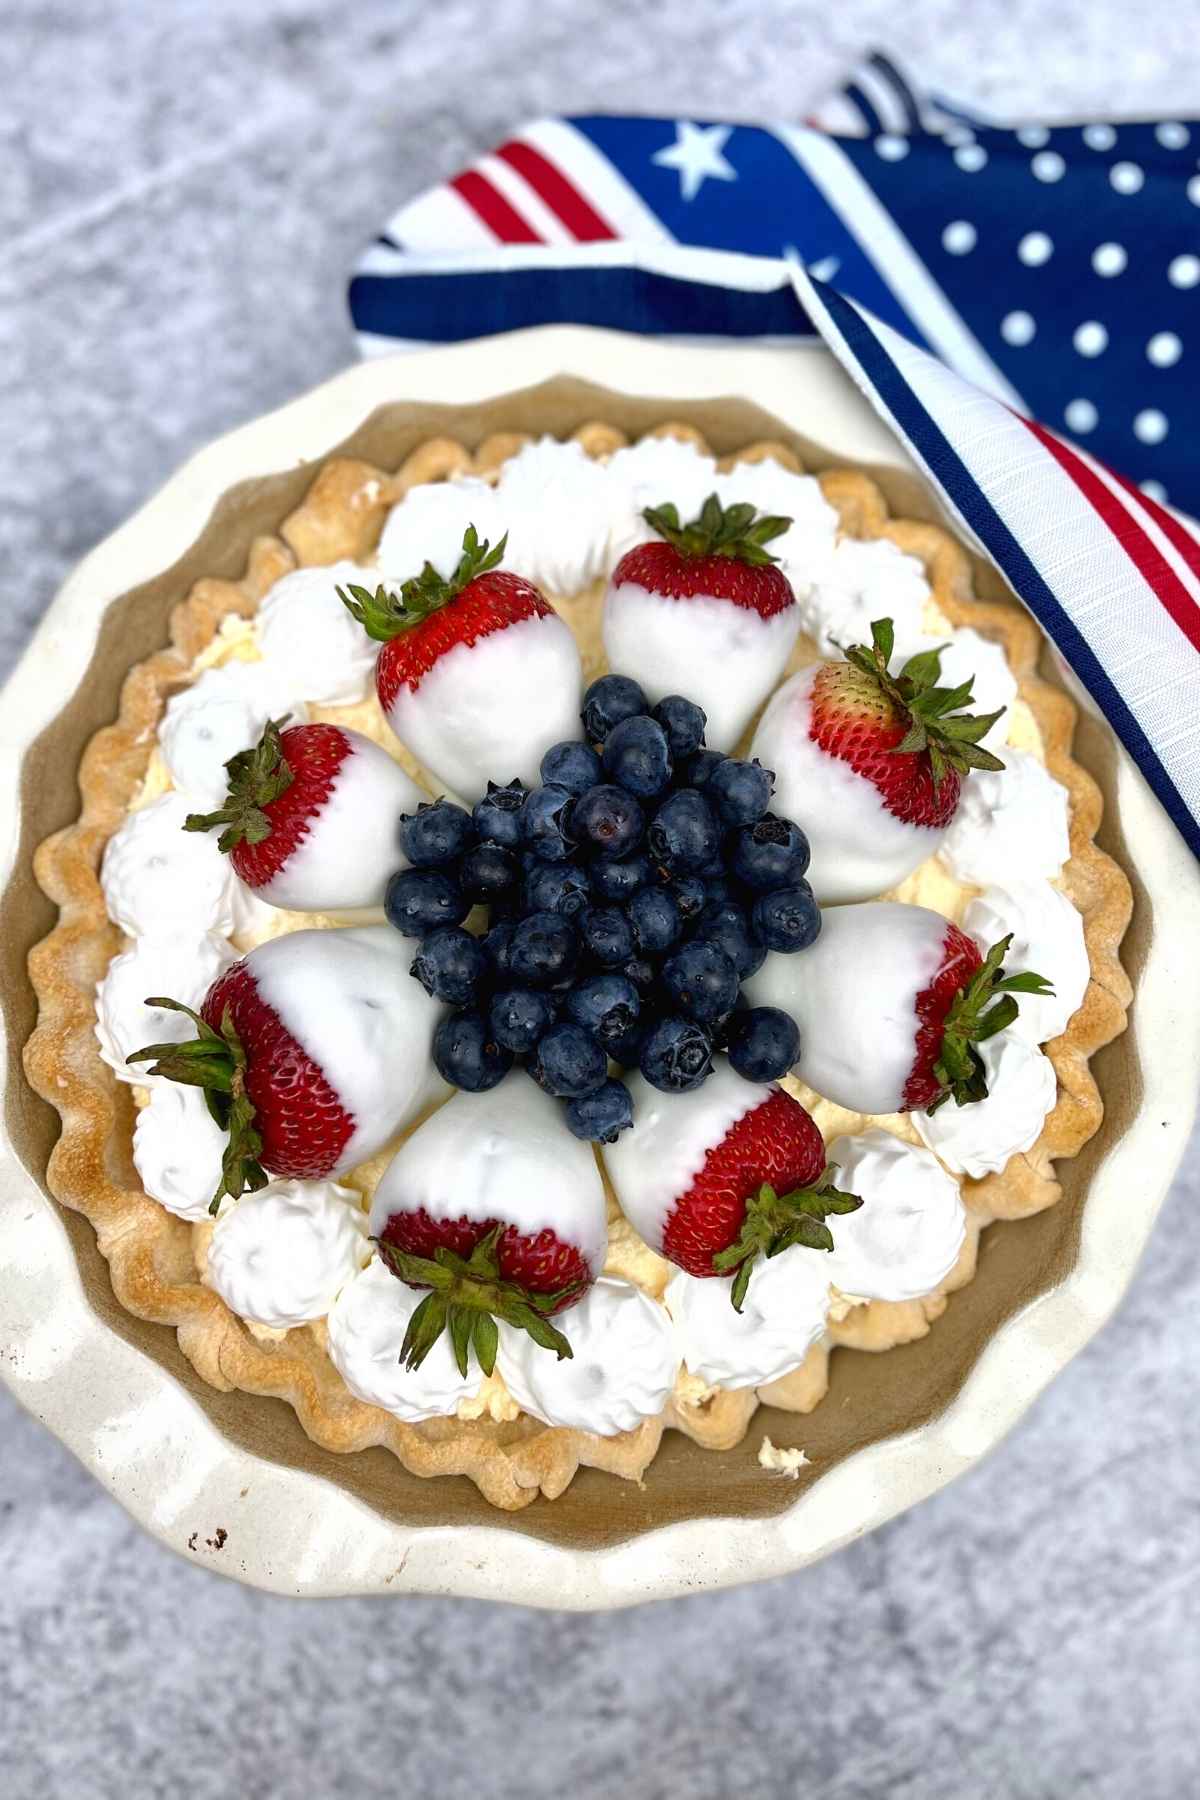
x=160 y=1449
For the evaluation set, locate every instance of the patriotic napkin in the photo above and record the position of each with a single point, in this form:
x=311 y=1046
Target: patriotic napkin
x=973 y=279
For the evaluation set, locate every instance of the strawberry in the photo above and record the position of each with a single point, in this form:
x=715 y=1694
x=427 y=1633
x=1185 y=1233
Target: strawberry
x=715 y=1178
x=310 y=818
x=478 y=675
x=706 y=611
x=499 y=1211
x=871 y=763
x=312 y=1052
x=891 y=1002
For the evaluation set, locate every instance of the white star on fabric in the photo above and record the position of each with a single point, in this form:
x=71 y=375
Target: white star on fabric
x=696 y=153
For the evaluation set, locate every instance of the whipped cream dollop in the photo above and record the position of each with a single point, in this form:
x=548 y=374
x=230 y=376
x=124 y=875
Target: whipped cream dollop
x=182 y=968
x=979 y=1138
x=782 y=1318
x=1009 y=822
x=429 y=523
x=555 y=503
x=162 y=881
x=906 y=1236
x=220 y=714
x=310 y=644
x=1047 y=938
x=648 y=473
x=862 y=580
x=621 y=1370
x=177 y=1150
x=281 y=1256
x=366 y=1330
x=805 y=548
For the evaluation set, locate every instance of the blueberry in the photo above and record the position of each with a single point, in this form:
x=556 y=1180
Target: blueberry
x=684 y=722
x=762 y=1043
x=697 y=772
x=449 y=964
x=740 y=791
x=518 y=1017
x=608 y=701
x=607 y=935
x=636 y=757
x=572 y=765
x=690 y=894
x=487 y=871
x=568 y=1061
x=542 y=950
x=787 y=918
x=607 y=820
x=717 y=890
x=626 y=1049
x=497 y=817
x=436 y=834
x=557 y=888
x=605 y=1005
x=603 y=1114
x=466 y=1056
x=676 y=1055
x=496 y=946
x=545 y=818
x=726 y=926
x=641 y=972
x=418 y=900
x=654 y=917
x=614 y=879
x=684 y=833
x=771 y=854
x=701 y=981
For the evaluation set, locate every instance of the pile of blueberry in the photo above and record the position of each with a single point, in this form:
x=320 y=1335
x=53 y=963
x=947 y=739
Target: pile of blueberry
x=628 y=897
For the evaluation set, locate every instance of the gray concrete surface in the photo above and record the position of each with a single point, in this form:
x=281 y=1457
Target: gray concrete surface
x=182 y=189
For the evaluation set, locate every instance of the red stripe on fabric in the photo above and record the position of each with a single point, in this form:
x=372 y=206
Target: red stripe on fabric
x=1166 y=521
x=559 y=194
x=493 y=209
x=1140 y=549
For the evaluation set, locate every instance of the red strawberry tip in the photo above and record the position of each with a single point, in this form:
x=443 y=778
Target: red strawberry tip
x=256 y=777
x=936 y=723
x=387 y=614
x=215 y=1062
x=738 y=531
x=468 y=1298
x=776 y=1222
x=981 y=1008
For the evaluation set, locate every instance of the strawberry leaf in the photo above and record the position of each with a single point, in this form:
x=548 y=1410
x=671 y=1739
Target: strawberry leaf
x=981 y=1008
x=934 y=724
x=256 y=777
x=737 y=531
x=215 y=1062
x=387 y=614
x=776 y=1222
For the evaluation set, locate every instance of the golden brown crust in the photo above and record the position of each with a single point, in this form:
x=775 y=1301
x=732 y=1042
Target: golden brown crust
x=150 y=1252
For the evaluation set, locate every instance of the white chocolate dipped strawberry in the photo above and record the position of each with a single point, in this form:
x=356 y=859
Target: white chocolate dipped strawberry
x=496 y=1208
x=715 y=1178
x=311 y=818
x=704 y=610
x=313 y=1052
x=871 y=764
x=891 y=1002
x=478 y=675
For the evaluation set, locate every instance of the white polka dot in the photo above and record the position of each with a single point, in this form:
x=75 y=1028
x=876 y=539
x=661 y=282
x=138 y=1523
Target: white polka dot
x=892 y=149
x=1193 y=190
x=1164 y=349
x=959 y=237
x=1173 y=136
x=1017 y=328
x=1080 y=415
x=1184 y=271
x=971 y=157
x=1090 y=338
x=1154 y=490
x=1099 y=137
x=1109 y=259
x=1150 y=426
x=1126 y=177
x=1048 y=165
x=1033 y=136
x=1035 y=248
x=958 y=134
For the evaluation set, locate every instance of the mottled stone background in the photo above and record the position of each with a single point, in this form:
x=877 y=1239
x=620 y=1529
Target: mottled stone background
x=182 y=189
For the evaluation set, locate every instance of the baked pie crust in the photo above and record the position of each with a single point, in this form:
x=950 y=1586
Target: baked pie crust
x=155 y=1259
